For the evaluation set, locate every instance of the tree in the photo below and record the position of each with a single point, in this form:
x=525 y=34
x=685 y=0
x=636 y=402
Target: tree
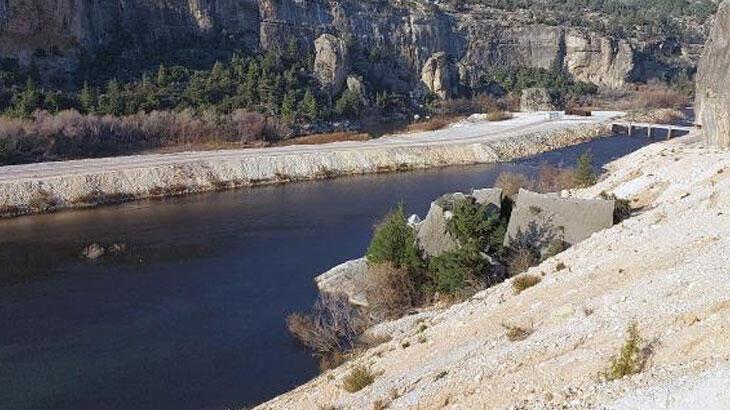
x=289 y=106
x=88 y=98
x=394 y=242
x=163 y=77
x=250 y=89
x=584 y=173
x=309 y=106
x=29 y=100
x=349 y=104
x=112 y=102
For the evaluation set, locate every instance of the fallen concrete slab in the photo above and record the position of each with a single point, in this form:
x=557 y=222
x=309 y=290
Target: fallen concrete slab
x=539 y=218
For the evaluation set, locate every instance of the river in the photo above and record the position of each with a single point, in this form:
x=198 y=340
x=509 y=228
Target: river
x=191 y=315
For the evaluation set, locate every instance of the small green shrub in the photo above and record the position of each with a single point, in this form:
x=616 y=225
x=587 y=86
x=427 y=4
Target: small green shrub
x=584 y=174
x=629 y=359
x=522 y=282
x=456 y=271
x=394 y=242
x=359 y=378
x=478 y=225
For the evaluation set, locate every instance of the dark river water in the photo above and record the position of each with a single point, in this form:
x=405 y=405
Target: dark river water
x=191 y=316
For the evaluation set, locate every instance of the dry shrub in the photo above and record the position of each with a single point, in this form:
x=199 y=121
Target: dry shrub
x=523 y=282
x=521 y=259
x=517 y=333
x=331 y=326
x=359 y=378
x=390 y=291
x=432 y=124
x=551 y=178
x=69 y=134
x=658 y=96
x=511 y=182
x=499 y=116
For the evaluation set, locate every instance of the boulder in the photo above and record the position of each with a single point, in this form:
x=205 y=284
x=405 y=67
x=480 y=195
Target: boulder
x=712 y=96
x=433 y=237
x=438 y=75
x=540 y=218
x=93 y=251
x=536 y=99
x=348 y=278
x=331 y=63
x=488 y=196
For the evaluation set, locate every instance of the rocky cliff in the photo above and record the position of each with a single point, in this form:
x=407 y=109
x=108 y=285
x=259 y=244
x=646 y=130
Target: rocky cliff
x=713 y=82
x=390 y=42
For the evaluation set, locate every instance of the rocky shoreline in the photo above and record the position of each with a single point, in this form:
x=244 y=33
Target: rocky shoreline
x=162 y=177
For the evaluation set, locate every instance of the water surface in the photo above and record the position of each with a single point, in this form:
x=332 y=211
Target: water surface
x=191 y=316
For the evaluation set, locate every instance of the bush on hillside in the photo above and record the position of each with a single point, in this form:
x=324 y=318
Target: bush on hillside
x=331 y=326
x=394 y=242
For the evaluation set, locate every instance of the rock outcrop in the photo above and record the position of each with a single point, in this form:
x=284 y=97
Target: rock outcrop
x=540 y=218
x=331 y=63
x=438 y=75
x=393 y=43
x=599 y=60
x=713 y=82
x=536 y=99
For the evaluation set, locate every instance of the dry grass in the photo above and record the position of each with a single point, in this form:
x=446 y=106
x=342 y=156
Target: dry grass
x=522 y=282
x=327 y=138
x=658 y=96
x=359 y=378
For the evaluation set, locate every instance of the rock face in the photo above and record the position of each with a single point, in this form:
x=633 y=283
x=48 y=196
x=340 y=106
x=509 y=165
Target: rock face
x=331 y=63
x=598 y=60
x=713 y=82
x=539 y=218
x=396 y=44
x=438 y=76
x=433 y=237
x=536 y=99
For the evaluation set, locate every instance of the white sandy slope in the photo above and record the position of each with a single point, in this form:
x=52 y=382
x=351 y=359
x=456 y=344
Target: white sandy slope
x=667 y=268
x=143 y=176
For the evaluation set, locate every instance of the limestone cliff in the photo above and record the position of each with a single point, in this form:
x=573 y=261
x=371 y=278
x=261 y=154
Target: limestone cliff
x=390 y=42
x=713 y=82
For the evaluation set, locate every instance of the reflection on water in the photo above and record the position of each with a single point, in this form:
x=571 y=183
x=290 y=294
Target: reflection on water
x=192 y=314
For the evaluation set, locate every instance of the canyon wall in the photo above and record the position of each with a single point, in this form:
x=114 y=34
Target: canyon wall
x=712 y=97
x=390 y=41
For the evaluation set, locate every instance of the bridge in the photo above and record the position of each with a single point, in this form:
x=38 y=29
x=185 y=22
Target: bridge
x=650 y=130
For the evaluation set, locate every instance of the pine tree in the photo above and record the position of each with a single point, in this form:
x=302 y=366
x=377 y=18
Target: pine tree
x=29 y=100
x=88 y=98
x=250 y=89
x=289 y=107
x=309 y=106
x=163 y=77
x=584 y=173
x=112 y=101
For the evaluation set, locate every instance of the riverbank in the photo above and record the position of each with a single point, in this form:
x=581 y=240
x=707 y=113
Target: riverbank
x=577 y=316
x=46 y=187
